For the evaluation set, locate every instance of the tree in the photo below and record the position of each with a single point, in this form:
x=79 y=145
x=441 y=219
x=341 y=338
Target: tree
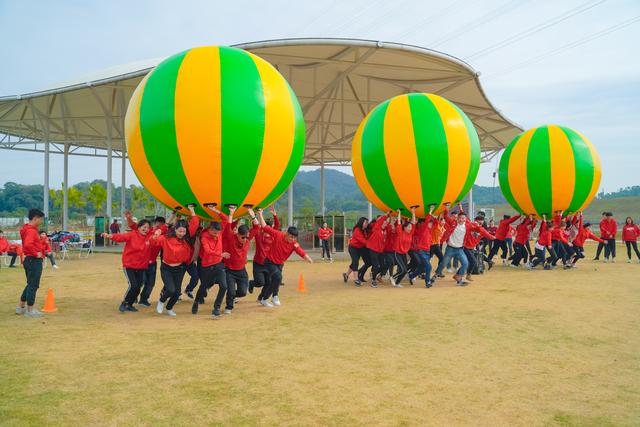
x=75 y=199
x=307 y=210
x=97 y=195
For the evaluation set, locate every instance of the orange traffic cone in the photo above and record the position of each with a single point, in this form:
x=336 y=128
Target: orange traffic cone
x=301 y=284
x=49 y=302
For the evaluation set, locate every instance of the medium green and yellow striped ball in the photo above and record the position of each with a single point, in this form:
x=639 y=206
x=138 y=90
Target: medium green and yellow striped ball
x=549 y=168
x=416 y=149
x=214 y=125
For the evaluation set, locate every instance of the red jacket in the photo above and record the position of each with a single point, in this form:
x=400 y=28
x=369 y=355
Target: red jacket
x=211 y=247
x=523 y=231
x=236 y=248
x=4 y=245
x=155 y=250
x=473 y=235
x=492 y=230
x=544 y=235
x=449 y=226
x=583 y=235
x=390 y=242
x=281 y=249
x=31 y=243
x=376 y=239
x=504 y=226
x=174 y=250
x=404 y=239
x=608 y=228
x=557 y=234
x=324 y=233
x=137 y=249
x=358 y=239
x=263 y=241
x=424 y=233
x=46 y=245
x=630 y=233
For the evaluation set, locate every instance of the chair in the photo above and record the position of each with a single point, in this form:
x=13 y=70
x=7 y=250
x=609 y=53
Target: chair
x=62 y=250
x=86 y=249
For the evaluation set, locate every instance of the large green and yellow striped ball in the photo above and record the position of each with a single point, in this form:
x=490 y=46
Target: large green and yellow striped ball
x=214 y=125
x=415 y=149
x=549 y=168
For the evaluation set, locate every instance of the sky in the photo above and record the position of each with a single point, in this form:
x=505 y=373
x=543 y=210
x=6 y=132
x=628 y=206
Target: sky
x=571 y=62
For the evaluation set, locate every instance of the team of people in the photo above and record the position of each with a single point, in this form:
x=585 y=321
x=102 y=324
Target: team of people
x=393 y=247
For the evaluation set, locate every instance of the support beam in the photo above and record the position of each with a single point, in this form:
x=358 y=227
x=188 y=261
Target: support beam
x=46 y=180
x=65 y=190
x=290 y=206
x=109 y=181
x=123 y=184
x=322 y=189
x=471 y=207
x=370 y=207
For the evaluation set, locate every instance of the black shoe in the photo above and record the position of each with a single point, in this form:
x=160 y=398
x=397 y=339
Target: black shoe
x=216 y=312
x=200 y=301
x=440 y=275
x=358 y=282
x=194 y=308
x=251 y=286
x=490 y=264
x=131 y=308
x=145 y=303
x=428 y=284
x=596 y=259
x=345 y=277
x=123 y=307
x=281 y=283
x=189 y=294
x=374 y=284
x=12 y=266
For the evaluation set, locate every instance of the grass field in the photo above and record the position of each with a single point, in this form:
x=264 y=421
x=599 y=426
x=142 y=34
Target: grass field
x=513 y=348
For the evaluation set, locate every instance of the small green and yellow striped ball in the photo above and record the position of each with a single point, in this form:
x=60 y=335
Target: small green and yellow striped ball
x=214 y=125
x=549 y=168
x=416 y=149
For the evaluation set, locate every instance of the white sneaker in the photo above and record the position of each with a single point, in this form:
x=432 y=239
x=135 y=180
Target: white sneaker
x=227 y=311
x=160 y=307
x=275 y=300
x=393 y=281
x=449 y=270
x=613 y=260
x=606 y=260
x=171 y=313
x=33 y=313
x=266 y=303
x=56 y=267
x=398 y=285
x=20 y=310
x=236 y=300
x=629 y=262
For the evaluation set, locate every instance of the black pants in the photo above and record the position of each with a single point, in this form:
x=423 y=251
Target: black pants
x=325 y=248
x=558 y=247
x=471 y=257
x=172 y=278
x=519 y=253
x=365 y=253
x=134 y=278
x=610 y=248
x=529 y=253
x=414 y=263
x=33 y=271
x=600 y=248
x=13 y=256
x=272 y=287
x=401 y=264
x=148 y=281
x=209 y=276
x=497 y=245
x=237 y=285
x=509 y=242
x=377 y=258
x=355 y=254
x=260 y=275
x=578 y=253
x=388 y=262
x=193 y=271
x=633 y=245
x=552 y=259
x=52 y=259
x=436 y=251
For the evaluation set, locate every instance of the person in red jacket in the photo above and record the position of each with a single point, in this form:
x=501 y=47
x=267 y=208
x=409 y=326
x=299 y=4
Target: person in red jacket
x=135 y=260
x=212 y=256
x=584 y=233
x=150 y=273
x=48 y=252
x=283 y=245
x=375 y=245
x=608 y=231
x=235 y=241
x=601 y=246
x=263 y=242
x=357 y=247
x=474 y=233
x=424 y=239
x=388 y=259
x=4 y=245
x=542 y=245
x=454 y=234
x=404 y=237
x=176 y=253
x=630 y=234
x=324 y=233
x=500 y=241
x=34 y=253
x=523 y=232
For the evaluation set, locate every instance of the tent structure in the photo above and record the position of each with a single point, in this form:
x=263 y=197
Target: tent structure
x=338 y=81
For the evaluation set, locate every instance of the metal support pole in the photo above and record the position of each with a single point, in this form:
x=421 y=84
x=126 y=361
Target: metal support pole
x=46 y=180
x=109 y=180
x=322 y=190
x=65 y=189
x=471 y=207
x=290 y=206
x=123 y=184
x=370 y=207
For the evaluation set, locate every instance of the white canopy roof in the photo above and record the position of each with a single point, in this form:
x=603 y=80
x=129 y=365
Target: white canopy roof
x=338 y=81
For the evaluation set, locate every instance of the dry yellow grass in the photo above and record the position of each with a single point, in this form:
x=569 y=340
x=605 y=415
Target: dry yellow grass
x=514 y=348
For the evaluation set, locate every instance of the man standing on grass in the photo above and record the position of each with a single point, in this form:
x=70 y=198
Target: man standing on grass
x=33 y=251
x=324 y=233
